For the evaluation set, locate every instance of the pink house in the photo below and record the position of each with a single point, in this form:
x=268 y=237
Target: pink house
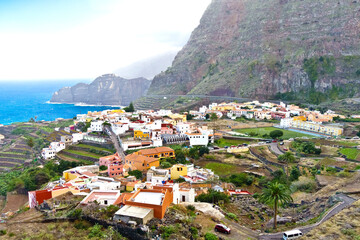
x=167 y=130
x=112 y=159
x=115 y=170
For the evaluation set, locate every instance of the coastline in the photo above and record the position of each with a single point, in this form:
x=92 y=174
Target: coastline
x=80 y=104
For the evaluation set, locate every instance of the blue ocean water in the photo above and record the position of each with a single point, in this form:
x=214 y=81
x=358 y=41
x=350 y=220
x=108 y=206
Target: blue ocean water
x=20 y=101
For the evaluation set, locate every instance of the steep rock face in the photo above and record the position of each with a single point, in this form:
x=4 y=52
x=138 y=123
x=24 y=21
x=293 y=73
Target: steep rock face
x=260 y=48
x=105 y=90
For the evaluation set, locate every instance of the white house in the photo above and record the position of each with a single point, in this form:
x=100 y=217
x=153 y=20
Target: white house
x=57 y=146
x=103 y=184
x=119 y=128
x=183 y=127
x=48 y=153
x=198 y=139
x=286 y=122
x=76 y=137
x=157 y=176
x=96 y=126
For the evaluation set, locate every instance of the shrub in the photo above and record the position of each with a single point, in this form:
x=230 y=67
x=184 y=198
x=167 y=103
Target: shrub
x=138 y=174
x=276 y=134
x=96 y=231
x=213 y=197
x=76 y=213
x=103 y=168
x=167 y=231
x=190 y=207
x=2 y=232
x=165 y=165
x=210 y=236
x=232 y=216
x=304 y=185
x=343 y=174
x=194 y=232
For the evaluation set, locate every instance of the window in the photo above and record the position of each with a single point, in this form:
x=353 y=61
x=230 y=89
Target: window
x=105 y=202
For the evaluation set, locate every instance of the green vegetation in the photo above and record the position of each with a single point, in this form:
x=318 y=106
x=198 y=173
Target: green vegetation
x=275 y=194
x=315 y=67
x=260 y=132
x=92 y=147
x=33 y=178
x=20 y=131
x=222 y=142
x=61 y=124
x=240 y=179
x=130 y=108
x=220 y=168
x=138 y=174
x=213 y=197
x=276 y=134
x=305 y=147
x=351 y=153
x=167 y=231
x=83 y=153
x=211 y=236
x=287 y=157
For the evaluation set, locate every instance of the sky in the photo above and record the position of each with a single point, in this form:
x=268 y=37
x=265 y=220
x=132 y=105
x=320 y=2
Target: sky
x=78 y=39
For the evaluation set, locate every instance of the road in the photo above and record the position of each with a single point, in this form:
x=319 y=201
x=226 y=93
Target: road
x=117 y=142
x=346 y=201
x=275 y=148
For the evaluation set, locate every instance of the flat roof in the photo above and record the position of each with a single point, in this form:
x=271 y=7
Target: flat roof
x=133 y=211
x=149 y=198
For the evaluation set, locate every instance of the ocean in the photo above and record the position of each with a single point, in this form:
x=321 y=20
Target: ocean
x=20 y=101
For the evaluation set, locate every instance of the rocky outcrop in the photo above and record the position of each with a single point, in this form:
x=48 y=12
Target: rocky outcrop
x=107 y=89
x=263 y=48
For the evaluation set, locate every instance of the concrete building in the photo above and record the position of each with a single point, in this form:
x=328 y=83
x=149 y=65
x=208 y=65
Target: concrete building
x=104 y=198
x=96 y=126
x=48 y=153
x=139 y=215
x=198 y=139
x=157 y=176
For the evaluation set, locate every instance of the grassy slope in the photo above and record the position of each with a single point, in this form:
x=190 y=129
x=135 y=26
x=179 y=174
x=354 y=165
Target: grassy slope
x=261 y=131
x=351 y=153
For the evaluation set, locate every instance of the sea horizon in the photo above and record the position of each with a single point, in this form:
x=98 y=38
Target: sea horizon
x=21 y=101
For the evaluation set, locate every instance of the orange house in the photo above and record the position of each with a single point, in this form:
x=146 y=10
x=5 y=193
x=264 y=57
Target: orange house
x=140 y=162
x=159 y=152
x=157 y=199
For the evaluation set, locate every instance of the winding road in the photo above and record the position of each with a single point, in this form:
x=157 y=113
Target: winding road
x=346 y=201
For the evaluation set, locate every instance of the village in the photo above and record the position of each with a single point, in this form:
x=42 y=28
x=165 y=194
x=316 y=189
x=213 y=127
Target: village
x=144 y=166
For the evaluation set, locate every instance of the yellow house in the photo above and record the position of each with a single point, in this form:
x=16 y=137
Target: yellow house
x=299 y=118
x=130 y=186
x=223 y=108
x=117 y=111
x=70 y=175
x=178 y=170
x=177 y=118
x=140 y=134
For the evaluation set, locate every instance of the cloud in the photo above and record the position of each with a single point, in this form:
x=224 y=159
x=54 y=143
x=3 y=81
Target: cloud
x=127 y=31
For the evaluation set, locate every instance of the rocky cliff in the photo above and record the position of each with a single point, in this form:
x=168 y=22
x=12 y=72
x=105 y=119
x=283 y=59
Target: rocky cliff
x=270 y=48
x=105 y=90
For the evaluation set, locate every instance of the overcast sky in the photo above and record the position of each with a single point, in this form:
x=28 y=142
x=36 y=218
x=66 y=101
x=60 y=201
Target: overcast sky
x=73 y=39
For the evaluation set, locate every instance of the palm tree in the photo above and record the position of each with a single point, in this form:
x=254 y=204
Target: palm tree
x=275 y=193
x=287 y=157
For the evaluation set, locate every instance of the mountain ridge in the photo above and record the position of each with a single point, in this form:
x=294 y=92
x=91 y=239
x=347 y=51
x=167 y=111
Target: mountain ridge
x=107 y=89
x=270 y=49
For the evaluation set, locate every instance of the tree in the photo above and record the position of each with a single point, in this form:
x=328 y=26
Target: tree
x=189 y=117
x=103 y=168
x=207 y=116
x=203 y=150
x=358 y=134
x=180 y=156
x=138 y=174
x=276 y=134
x=213 y=117
x=30 y=142
x=274 y=194
x=287 y=157
x=130 y=108
x=294 y=174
